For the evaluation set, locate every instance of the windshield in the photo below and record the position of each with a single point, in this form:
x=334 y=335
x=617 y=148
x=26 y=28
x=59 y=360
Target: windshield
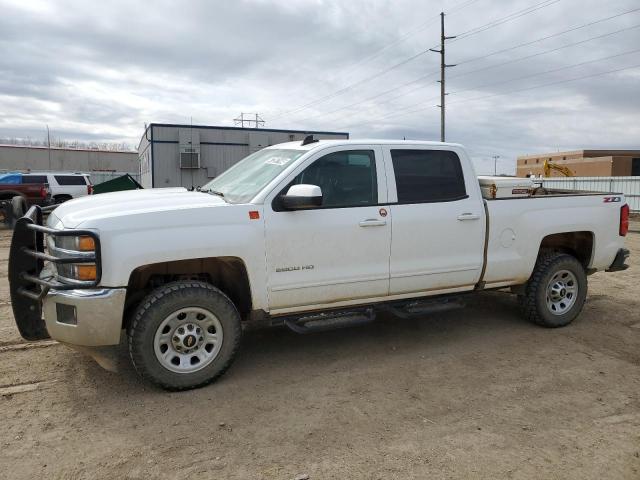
x=246 y=178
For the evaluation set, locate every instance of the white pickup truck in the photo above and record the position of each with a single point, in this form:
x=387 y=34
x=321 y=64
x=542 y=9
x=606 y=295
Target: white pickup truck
x=311 y=235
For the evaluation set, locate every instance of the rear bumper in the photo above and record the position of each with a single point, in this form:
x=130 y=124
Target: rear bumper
x=619 y=262
x=87 y=317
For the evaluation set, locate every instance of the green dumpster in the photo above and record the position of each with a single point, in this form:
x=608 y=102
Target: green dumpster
x=118 y=184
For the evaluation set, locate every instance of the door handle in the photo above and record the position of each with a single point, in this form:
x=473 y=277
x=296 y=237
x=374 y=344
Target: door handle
x=372 y=222
x=468 y=216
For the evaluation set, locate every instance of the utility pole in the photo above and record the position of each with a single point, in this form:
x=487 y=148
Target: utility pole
x=443 y=66
x=246 y=118
x=495 y=164
x=49 y=146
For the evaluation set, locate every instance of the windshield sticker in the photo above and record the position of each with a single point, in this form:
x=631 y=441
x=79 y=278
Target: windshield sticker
x=277 y=161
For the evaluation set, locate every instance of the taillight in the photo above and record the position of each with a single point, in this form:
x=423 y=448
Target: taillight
x=89 y=189
x=43 y=191
x=624 y=220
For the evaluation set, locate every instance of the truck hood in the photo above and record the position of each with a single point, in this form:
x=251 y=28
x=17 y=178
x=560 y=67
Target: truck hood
x=74 y=213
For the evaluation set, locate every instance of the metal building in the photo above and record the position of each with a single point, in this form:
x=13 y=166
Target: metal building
x=190 y=155
x=24 y=157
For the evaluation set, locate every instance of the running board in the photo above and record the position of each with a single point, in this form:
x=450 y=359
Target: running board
x=319 y=322
x=423 y=306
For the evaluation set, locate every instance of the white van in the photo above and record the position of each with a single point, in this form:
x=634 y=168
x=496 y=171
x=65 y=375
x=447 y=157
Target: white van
x=64 y=186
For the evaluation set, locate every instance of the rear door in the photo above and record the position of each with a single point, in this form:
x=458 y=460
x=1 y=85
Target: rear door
x=438 y=227
x=338 y=252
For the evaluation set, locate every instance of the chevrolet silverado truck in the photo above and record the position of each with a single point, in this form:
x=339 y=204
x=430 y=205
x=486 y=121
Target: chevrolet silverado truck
x=310 y=235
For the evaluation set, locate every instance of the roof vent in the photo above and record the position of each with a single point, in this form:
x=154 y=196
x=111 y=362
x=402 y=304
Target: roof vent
x=308 y=139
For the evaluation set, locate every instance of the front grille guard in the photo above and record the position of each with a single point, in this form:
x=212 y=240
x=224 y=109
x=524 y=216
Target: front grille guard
x=26 y=262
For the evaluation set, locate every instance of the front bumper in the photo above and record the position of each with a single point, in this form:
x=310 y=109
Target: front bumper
x=86 y=317
x=35 y=287
x=619 y=262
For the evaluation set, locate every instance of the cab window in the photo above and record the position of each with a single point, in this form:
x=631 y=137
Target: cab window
x=347 y=178
x=425 y=176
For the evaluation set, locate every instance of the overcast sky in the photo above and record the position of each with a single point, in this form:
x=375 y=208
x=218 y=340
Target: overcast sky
x=98 y=71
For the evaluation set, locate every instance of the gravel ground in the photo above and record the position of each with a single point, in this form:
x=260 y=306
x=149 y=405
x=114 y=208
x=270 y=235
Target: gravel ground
x=474 y=393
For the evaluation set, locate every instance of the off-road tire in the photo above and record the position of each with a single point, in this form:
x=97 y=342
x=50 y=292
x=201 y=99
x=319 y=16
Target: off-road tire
x=19 y=206
x=162 y=302
x=18 y=209
x=533 y=303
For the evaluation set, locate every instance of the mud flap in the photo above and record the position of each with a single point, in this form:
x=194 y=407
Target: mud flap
x=25 y=296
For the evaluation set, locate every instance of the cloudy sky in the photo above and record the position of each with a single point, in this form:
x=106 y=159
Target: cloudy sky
x=531 y=75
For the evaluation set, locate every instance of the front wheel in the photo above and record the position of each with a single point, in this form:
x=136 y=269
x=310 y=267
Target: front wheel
x=184 y=335
x=556 y=291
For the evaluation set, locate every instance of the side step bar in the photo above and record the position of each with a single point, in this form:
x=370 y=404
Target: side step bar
x=329 y=321
x=423 y=306
x=317 y=322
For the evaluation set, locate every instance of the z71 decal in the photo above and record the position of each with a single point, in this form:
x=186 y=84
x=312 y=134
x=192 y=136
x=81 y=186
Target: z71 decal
x=611 y=199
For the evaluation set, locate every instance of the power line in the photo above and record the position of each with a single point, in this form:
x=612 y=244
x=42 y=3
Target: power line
x=566 y=67
x=419 y=28
x=391 y=90
x=497 y=22
x=505 y=19
x=544 y=52
x=475 y=59
x=423 y=77
x=409 y=110
x=349 y=87
x=558 y=82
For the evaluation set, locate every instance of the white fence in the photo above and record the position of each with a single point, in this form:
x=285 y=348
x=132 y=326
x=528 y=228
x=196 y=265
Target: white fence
x=630 y=186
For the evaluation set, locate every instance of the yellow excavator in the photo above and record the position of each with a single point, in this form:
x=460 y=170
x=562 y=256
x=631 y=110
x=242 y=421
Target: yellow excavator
x=548 y=166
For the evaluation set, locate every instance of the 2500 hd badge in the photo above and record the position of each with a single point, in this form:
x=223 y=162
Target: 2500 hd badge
x=293 y=269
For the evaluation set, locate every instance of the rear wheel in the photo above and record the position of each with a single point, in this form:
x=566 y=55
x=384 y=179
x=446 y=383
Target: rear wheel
x=556 y=291
x=184 y=335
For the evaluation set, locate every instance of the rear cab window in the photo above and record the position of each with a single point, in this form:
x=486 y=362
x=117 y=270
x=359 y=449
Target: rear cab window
x=427 y=176
x=70 y=179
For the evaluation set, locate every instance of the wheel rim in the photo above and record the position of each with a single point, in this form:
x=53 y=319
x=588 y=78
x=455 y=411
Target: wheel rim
x=562 y=291
x=188 y=340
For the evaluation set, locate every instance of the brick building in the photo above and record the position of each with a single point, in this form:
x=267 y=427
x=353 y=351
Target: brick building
x=583 y=163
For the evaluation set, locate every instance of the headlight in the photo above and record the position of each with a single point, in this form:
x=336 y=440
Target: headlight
x=76 y=243
x=72 y=246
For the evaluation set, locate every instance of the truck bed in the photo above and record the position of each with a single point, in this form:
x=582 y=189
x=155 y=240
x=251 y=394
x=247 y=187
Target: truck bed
x=516 y=225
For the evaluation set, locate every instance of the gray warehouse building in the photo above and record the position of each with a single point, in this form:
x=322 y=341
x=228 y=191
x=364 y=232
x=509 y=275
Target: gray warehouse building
x=190 y=155
x=24 y=157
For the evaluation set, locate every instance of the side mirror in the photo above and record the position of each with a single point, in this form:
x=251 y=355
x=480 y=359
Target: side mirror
x=302 y=196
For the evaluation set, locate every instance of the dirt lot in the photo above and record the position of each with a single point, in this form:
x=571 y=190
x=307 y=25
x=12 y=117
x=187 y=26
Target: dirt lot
x=477 y=393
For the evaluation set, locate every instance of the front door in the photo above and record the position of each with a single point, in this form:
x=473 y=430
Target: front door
x=339 y=251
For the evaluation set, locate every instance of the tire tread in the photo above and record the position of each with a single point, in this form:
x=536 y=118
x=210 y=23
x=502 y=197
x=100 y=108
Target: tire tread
x=528 y=301
x=136 y=331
